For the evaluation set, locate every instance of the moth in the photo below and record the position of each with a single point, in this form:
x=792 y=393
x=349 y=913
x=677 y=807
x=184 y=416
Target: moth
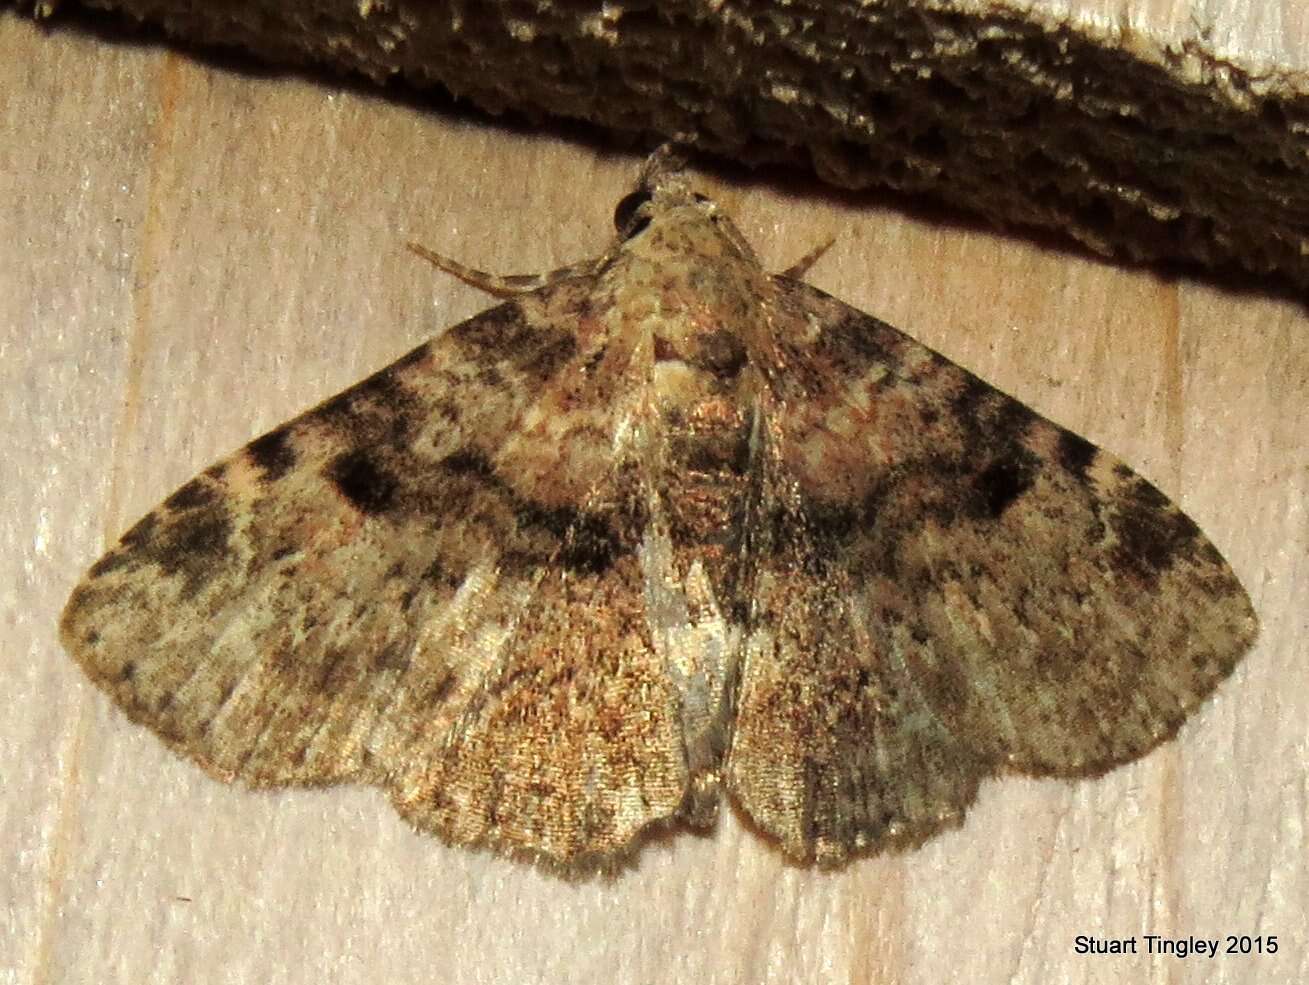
x=663 y=526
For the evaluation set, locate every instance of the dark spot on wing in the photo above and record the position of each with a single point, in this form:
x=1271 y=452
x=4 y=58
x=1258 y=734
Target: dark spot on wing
x=379 y=410
x=490 y=376
x=1075 y=453
x=586 y=543
x=363 y=481
x=996 y=467
x=112 y=561
x=502 y=339
x=558 y=350
x=191 y=543
x=128 y=548
x=272 y=454
x=142 y=532
x=854 y=343
x=193 y=495
x=814 y=541
x=966 y=403
x=1151 y=531
x=436 y=695
x=992 y=420
x=468 y=462
x=1000 y=483
x=590 y=546
x=448 y=411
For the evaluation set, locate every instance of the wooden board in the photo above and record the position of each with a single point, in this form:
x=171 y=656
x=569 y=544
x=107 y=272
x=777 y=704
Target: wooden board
x=193 y=254
x=1269 y=40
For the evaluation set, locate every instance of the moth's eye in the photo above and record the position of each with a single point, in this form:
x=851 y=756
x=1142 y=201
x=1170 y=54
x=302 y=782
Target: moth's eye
x=625 y=213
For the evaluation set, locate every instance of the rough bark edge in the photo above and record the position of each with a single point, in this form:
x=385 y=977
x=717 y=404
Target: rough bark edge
x=1133 y=147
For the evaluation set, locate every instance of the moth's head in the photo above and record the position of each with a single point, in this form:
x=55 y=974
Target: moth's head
x=663 y=213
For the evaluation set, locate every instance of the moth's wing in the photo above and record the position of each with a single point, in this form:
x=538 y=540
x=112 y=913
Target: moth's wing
x=947 y=584
x=572 y=745
x=425 y=583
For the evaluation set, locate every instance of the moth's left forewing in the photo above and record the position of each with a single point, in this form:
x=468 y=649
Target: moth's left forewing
x=277 y=617
x=1017 y=596
x=429 y=583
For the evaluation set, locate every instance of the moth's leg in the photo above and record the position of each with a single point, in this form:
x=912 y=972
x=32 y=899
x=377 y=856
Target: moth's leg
x=502 y=286
x=801 y=267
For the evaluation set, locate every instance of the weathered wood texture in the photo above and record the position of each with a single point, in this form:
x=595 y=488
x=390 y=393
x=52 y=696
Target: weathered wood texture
x=1158 y=131
x=192 y=255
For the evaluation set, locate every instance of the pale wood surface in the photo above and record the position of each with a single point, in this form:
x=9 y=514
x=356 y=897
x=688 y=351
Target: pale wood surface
x=1270 y=40
x=191 y=255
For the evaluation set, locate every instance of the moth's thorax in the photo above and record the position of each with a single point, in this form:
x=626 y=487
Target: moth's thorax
x=695 y=265
x=692 y=301
x=697 y=397
x=689 y=291
x=682 y=225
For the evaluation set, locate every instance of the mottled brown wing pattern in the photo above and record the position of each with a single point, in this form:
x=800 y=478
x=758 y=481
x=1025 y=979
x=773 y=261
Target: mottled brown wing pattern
x=365 y=592
x=663 y=522
x=987 y=589
x=572 y=746
x=835 y=746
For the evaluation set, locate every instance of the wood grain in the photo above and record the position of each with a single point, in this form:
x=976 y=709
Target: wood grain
x=194 y=254
x=1266 y=39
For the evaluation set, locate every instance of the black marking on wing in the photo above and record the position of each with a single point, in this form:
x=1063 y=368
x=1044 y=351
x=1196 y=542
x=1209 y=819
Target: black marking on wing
x=363 y=481
x=272 y=454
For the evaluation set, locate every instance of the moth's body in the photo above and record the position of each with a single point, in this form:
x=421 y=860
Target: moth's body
x=661 y=525
x=671 y=351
